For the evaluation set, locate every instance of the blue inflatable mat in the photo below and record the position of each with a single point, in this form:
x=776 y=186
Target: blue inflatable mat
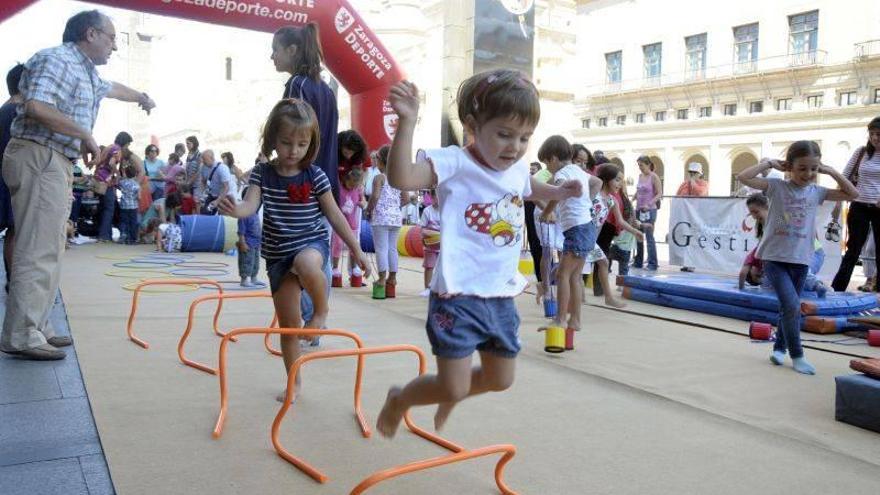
x=715 y=288
x=702 y=306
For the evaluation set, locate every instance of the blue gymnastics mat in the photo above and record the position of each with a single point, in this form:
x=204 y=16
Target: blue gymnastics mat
x=696 y=290
x=701 y=305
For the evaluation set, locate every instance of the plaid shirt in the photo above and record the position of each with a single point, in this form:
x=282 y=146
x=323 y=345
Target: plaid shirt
x=66 y=79
x=130 y=190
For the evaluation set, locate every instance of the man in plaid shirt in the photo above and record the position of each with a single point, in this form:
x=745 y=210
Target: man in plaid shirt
x=61 y=91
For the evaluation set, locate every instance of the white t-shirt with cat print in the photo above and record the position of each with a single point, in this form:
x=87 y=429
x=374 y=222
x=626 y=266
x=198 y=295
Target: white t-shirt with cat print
x=481 y=224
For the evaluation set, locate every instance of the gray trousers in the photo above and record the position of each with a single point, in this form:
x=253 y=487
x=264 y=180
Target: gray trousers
x=40 y=182
x=249 y=263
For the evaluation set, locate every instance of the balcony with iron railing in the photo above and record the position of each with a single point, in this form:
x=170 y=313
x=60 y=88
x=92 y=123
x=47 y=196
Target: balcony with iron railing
x=779 y=63
x=867 y=49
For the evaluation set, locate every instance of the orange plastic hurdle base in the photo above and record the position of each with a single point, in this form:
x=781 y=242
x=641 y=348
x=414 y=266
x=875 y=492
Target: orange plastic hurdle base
x=191 y=317
x=300 y=332
x=168 y=281
x=458 y=453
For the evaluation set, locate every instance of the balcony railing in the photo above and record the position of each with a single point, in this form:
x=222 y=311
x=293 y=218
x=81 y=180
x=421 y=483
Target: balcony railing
x=867 y=49
x=736 y=69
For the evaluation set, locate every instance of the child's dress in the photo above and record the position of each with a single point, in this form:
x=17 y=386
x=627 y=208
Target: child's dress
x=602 y=207
x=349 y=204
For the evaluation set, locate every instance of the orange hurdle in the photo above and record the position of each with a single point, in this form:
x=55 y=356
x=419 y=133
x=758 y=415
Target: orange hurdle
x=167 y=281
x=459 y=453
x=508 y=450
x=267 y=342
x=189 y=324
x=301 y=332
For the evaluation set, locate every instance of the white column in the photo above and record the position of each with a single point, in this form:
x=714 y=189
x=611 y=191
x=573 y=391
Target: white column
x=719 y=183
x=673 y=171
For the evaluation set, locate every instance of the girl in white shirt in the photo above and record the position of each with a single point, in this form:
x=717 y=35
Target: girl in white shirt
x=480 y=189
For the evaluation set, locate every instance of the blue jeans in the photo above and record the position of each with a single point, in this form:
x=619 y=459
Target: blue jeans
x=108 y=207
x=788 y=281
x=622 y=259
x=157 y=188
x=75 y=206
x=128 y=225
x=650 y=217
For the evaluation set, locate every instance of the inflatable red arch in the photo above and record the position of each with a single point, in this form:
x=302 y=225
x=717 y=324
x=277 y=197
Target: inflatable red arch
x=353 y=53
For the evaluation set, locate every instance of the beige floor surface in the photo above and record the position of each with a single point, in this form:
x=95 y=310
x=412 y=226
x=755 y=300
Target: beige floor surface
x=642 y=406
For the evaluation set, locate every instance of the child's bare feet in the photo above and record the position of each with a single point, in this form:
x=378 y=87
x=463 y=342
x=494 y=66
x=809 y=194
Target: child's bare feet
x=614 y=302
x=391 y=415
x=318 y=322
x=574 y=324
x=442 y=414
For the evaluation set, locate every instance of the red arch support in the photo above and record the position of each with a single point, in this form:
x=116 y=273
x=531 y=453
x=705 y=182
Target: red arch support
x=353 y=53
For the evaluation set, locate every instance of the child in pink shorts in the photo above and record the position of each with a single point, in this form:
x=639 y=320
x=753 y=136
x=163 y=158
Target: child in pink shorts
x=430 y=223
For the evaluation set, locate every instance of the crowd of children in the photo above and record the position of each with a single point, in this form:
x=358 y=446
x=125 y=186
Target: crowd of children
x=471 y=228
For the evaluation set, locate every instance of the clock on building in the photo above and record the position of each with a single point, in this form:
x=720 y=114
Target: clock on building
x=518 y=7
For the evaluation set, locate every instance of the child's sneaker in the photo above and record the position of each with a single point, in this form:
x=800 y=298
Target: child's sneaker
x=832 y=232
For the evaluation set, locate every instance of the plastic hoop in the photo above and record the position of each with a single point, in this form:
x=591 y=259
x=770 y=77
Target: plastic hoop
x=235 y=285
x=165 y=288
x=182 y=256
x=135 y=273
x=146 y=259
x=155 y=264
x=113 y=257
x=204 y=272
x=202 y=264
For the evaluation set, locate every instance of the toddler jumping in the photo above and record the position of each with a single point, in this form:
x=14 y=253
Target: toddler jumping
x=480 y=189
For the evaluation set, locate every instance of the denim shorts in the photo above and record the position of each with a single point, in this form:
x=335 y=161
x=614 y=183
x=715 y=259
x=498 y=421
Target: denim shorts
x=580 y=239
x=278 y=269
x=459 y=325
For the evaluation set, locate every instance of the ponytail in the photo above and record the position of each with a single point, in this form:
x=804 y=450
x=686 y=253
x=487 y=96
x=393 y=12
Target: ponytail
x=308 y=57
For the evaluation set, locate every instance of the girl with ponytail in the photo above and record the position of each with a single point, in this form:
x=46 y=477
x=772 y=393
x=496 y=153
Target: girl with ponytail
x=297 y=51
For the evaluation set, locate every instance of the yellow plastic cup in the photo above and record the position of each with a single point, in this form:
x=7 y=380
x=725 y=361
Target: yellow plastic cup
x=554 y=340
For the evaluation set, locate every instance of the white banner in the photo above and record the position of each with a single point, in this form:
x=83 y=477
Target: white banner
x=716 y=234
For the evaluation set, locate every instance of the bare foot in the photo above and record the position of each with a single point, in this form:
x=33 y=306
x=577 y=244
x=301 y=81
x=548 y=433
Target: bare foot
x=539 y=294
x=442 y=414
x=574 y=324
x=614 y=302
x=319 y=323
x=391 y=415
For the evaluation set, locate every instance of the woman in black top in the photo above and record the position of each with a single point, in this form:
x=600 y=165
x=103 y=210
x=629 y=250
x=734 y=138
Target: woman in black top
x=297 y=51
